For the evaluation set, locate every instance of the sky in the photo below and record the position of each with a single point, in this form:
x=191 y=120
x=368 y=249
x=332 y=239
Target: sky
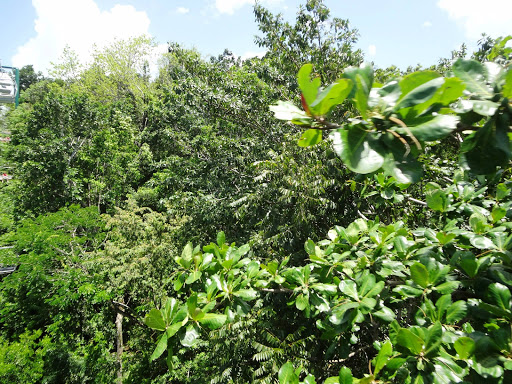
x=392 y=32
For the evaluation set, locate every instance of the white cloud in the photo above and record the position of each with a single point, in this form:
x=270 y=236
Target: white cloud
x=427 y=24
x=230 y=6
x=492 y=17
x=372 y=50
x=78 y=24
x=182 y=10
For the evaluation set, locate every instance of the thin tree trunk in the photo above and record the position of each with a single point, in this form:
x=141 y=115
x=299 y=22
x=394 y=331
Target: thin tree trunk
x=119 y=345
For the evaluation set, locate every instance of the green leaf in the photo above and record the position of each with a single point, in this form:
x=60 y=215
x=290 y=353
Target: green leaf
x=507 y=88
x=190 y=337
x=415 y=79
x=465 y=347
x=331 y=96
x=171 y=330
x=385 y=314
x=287 y=374
x=419 y=274
x=431 y=128
x=345 y=376
x=500 y=295
x=301 y=302
x=358 y=150
x=221 y=238
x=310 y=137
x=308 y=87
x=386 y=350
x=338 y=312
x=437 y=200
x=309 y=379
x=326 y=289
x=160 y=347
x=155 y=320
x=434 y=338
x=246 y=294
x=192 y=277
x=482 y=242
x=456 y=312
x=284 y=110
x=447 y=287
x=419 y=95
x=349 y=288
x=474 y=75
x=409 y=340
x=213 y=320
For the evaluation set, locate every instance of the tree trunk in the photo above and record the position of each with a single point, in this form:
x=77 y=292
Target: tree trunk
x=119 y=345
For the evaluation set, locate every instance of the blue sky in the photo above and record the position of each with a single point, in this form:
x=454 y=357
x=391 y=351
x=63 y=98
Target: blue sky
x=400 y=32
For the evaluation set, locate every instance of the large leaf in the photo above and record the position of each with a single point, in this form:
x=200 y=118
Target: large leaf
x=213 y=320
x=308 y=87
x=383 y=356
x=345 y=376
x=331 y=96
x=284 y=110
x=500 y=295
x=419 y=95
x=415 y=79
x=456 y=312
x=160 y=347
x=359 y=151
x=409 y=340
x=190 y=337
x=287 y=374
x=155 y=320
x=465 y=347
x=419 y=275
x=474 y=75
x=431 y=128
x=349 y=288
x=310 y=137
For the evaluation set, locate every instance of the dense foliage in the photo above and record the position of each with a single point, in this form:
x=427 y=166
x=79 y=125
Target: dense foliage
x=373 y=225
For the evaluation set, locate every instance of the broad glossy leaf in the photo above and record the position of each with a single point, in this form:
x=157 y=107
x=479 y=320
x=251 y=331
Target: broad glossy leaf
x=213 y=320
x=409 y=340
x=415 y=79
x=339 y=312
x=437 y=200
x=309 y=379
x=349 y=288
x=385 y=314
x=474 y=75
x=170 y=309
x=365 y=71
x=301 y=302
x=419 y=274
x=308 y=87
x=386 y=350
x=465 y=347
x=310 y=137
x=345 y=376
x=431 y=129
x=287 y=374
x=482 y=242
x=221 y=238
x=359 y=151
x=171 y=330
x=326 y=289
x=160 y=347
x=331 y=96
x=246 y=294
x=484 y=107
x=284 y=110
x=155 y=320
x=419 y=95
x=434 y=338
x=190 y=337
x=192 y=277
x=447 y=287
x=500 y=295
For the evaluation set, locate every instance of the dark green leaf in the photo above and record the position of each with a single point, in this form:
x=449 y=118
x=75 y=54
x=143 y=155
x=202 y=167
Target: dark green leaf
x=500 y=295
x=419 y=95
x=474 y=75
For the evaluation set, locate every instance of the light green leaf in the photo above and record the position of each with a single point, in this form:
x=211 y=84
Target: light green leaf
x=284 y=110
x=221 y=238
x=246 y=294
x=482 y=242
x=190 y=337
x=358 y=150
x=349 y=288
x=409 y=340
x=415 y=79
x=160 y=347
x=155 y=320
x=474 y=75
x=386 y=350
x=465 y=347
x=308 y=87
x=419 y=274
x=171 y=331
x=310 y=137
x=287 y=374
x=385 y=314
x=345 y=376
x=507 y=88
x=213 y=320
x=331 y=96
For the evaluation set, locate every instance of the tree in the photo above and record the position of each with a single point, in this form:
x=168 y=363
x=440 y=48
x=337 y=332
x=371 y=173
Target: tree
x=28 y=76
